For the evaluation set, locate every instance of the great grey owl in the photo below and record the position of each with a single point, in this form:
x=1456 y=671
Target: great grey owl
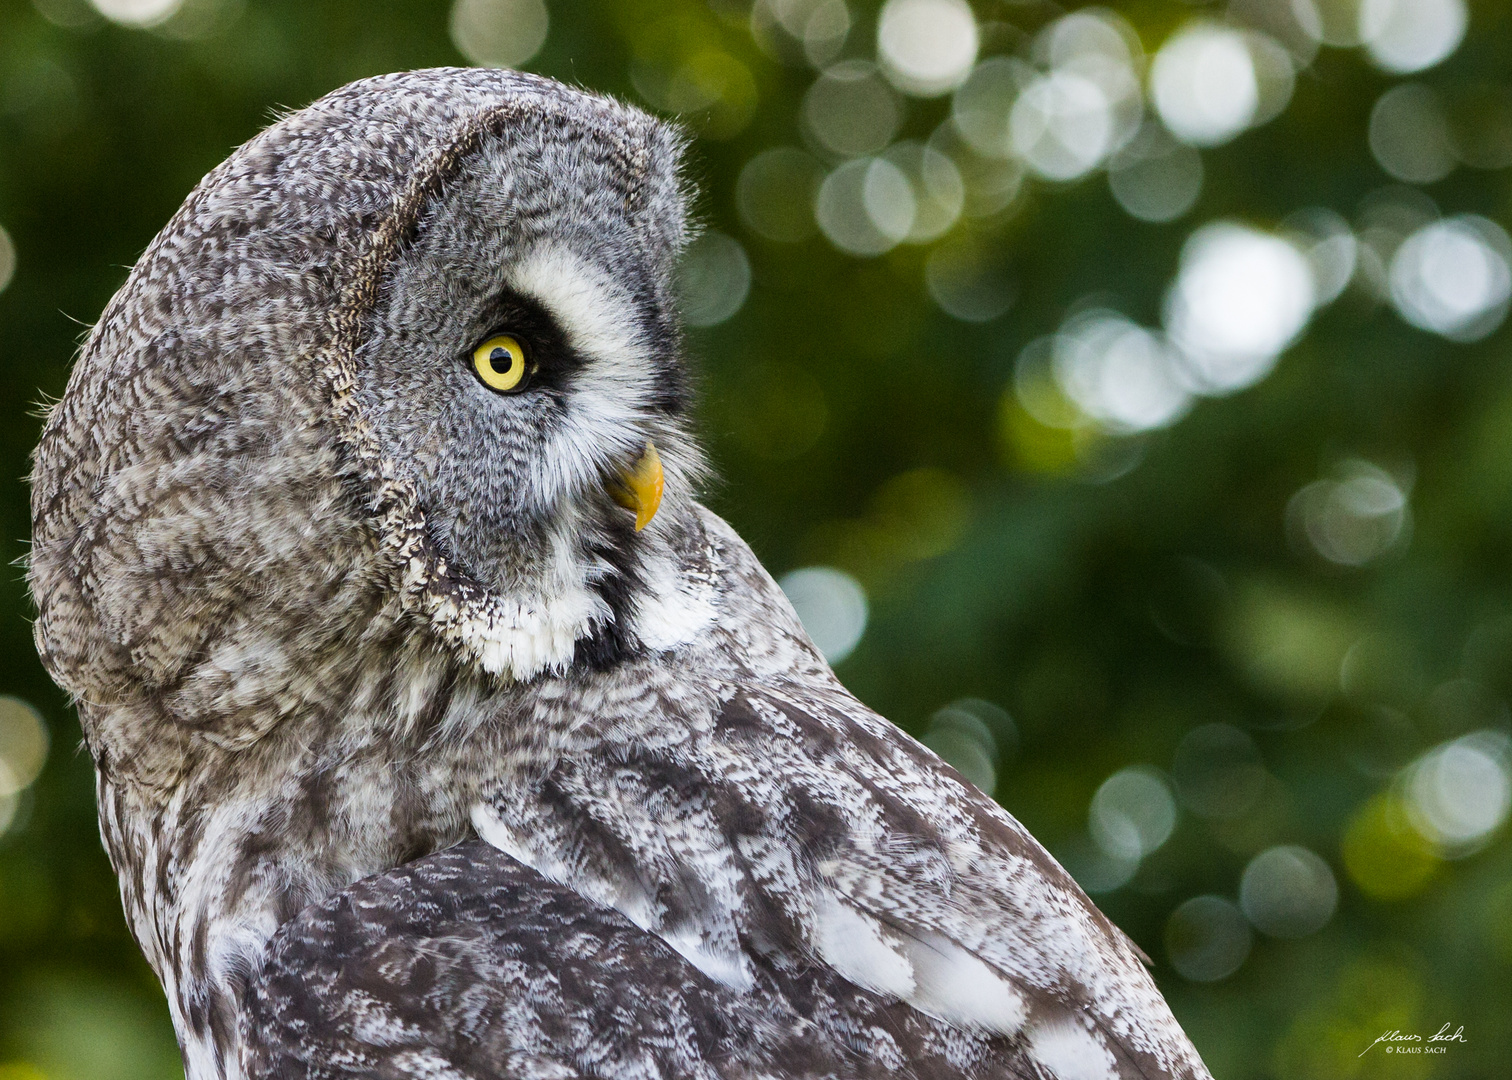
x=419 y=754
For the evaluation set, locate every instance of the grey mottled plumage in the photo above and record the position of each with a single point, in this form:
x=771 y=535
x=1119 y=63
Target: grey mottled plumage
x=415 y=759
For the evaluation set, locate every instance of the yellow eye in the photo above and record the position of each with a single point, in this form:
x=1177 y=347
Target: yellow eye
x=500 y=363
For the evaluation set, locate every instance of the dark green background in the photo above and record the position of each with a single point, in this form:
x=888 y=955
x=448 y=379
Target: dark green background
x=1053 y=596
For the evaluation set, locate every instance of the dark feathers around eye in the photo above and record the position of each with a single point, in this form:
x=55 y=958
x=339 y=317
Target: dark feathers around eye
x=675 y=390
x=550 y=360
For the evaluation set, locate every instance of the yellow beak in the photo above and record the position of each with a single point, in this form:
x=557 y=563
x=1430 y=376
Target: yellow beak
x=639 y=486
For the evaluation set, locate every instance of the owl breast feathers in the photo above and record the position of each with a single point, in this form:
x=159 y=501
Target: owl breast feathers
x=440 y=732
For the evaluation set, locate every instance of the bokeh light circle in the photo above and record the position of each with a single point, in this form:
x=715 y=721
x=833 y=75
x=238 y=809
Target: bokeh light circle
x=1275 y=70
x=7 y=259
x=982 y=106
x=866 y=207
x=991 y=182
x=1331 y=248
x=1204 y=85
x=1409 y=135
x=962 y=737
x=1062 y=125
x=138 y=13
x=1354 y=517
x=818 y=28
x=1132 y=814
x=1385 y=856
x=1091 y=32
x=968 y=283
x=926 y=47
x=938 y=189
x=713 y=279
x=775 y=193
x=23 y=745
x=1037 y=391
x=1207 y=938
x=499 y=33
x=1218 y=771
x=1240 y=298
x=1460 y=793
x=850 y=111
x=1099 y=46
x=1403 y=36
x=1454 y=277
x=1328 y=22
x=832 y=606
x=1288 y=892
x=1119 y=373
x=1154 y=177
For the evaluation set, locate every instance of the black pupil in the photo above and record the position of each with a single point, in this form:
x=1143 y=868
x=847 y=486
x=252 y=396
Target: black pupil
x=501 y=360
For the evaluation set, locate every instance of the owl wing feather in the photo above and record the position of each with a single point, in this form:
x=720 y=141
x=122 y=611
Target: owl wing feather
x=465 y=964
x=800 y=832
x=798 y=890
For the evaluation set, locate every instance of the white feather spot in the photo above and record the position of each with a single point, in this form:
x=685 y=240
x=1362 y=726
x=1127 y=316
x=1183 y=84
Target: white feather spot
x=200 y=1058
x=726 y=968
x=952 y=985
x=519 y=640
x=499 y=835
x=857 y=947
x=429 y=1065
x=1071 y=1052
x=672 y=611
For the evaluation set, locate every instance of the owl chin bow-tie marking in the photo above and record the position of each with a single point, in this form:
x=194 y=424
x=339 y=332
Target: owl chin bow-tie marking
x=638 y=486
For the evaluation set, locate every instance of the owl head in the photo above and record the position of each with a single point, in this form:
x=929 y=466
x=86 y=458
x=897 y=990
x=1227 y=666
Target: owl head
x=405 y=365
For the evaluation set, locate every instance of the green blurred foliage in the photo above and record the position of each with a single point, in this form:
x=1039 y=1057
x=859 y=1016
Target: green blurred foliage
x=1114 y=594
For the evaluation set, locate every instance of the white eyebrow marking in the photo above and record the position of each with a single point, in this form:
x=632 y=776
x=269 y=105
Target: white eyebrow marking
x=596 y=312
